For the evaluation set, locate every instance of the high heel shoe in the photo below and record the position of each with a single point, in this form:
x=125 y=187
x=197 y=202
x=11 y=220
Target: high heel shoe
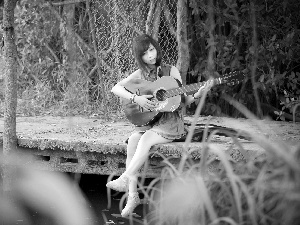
x=120 y=184
x=132 y=202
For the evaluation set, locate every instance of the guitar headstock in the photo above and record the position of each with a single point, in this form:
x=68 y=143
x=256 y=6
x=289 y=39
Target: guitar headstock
x=231 y=78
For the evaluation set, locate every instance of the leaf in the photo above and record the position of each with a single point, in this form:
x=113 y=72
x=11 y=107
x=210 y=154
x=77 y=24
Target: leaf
x=235 y=27
x=287 y=100
x=282 y=118
x=252 y=49
x=262 y=78
x=228 y=43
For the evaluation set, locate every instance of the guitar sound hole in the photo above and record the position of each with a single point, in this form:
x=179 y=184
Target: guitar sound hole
x=160 y=95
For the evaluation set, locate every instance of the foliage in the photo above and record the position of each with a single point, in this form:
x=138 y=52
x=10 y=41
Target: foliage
x=41 y=53
x=47 y=84
x=277 y=46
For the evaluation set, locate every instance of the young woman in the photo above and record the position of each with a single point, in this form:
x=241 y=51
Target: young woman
x=169 y=127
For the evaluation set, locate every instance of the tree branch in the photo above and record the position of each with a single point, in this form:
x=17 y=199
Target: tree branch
x=153 y=18
x=255 y=59
x=22 y=67
x=52 y=52
x=93 y=70
x=131 y=24
x=98 y=63
x=169 y=20
x=211 y=39
x=77 y=36
x=183 y=61
x=67 y=2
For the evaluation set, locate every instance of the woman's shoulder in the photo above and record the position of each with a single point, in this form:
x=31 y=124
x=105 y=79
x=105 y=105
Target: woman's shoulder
x=169 y=67
x=136 y=74
x=165 y=65
x=174 y=72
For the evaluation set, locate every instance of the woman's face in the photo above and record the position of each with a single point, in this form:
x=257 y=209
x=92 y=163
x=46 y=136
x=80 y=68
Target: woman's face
x=149 y=56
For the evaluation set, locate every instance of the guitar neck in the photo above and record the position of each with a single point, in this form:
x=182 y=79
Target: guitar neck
x=189 y=88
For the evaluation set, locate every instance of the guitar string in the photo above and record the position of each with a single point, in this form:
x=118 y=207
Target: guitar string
x=188 y=88
x=179 y=90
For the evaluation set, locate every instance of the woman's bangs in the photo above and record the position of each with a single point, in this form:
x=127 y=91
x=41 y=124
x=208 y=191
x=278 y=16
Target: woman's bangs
x=143 y=47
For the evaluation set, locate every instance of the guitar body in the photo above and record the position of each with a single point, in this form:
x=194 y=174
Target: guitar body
x=140 y=116
x=167 y=92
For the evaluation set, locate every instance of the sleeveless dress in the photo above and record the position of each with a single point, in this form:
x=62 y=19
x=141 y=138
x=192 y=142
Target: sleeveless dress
x=170 y=125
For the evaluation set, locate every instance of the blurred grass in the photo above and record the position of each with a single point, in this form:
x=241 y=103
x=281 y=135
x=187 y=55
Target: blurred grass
x=259 y=190
x=38 y=197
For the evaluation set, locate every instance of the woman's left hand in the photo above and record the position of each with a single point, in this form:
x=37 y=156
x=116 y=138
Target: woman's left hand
x=205 y=88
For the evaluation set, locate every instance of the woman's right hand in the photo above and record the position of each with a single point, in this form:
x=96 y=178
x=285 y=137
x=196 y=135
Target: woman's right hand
x=143 y=101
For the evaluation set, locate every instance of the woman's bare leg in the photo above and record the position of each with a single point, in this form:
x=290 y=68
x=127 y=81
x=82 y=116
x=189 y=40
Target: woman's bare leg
x=133 y=164
x=122 y=184
x=131 y=149
x=148 y=139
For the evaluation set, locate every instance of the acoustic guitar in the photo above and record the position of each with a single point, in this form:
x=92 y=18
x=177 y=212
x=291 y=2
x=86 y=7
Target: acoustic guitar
x=166 y=92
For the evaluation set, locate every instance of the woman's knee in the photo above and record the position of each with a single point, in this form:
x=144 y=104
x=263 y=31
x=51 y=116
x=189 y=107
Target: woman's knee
x=133 y=142
x=151 y=138
x=134 y=138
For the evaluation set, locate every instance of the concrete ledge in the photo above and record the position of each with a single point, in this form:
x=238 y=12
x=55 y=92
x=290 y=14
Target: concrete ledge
x=89 y=145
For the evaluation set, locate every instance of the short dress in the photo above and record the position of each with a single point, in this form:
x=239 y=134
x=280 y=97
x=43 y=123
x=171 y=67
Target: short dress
x=171 y=124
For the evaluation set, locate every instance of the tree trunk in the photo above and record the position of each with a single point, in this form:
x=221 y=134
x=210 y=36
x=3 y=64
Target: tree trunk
x=211 y=40
x=183 y=60
x=255 y=59
x=153 y=19
x=10 y=85
x=169 y=20
x=68 y=37
x=98 y=61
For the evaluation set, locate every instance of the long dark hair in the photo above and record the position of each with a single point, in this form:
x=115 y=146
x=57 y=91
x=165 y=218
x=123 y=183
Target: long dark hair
x=140 y=45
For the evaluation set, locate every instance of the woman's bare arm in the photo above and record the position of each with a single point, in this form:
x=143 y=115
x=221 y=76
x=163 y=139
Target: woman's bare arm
x=120 y=90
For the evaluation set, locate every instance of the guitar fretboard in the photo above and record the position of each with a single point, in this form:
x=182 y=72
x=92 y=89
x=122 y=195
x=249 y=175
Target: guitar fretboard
x=188 y=88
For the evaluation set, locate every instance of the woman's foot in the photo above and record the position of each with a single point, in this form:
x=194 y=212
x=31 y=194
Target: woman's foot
x=132 y=202
x=120 y=184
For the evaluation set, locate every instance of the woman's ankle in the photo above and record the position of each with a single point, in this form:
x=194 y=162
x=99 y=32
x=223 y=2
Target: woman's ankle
x=130 y=177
